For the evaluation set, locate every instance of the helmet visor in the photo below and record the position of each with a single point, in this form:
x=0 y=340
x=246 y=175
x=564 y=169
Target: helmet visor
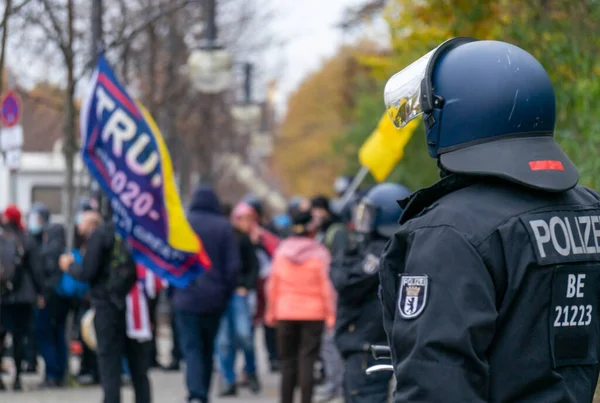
x=402 y=93
x=364 y=218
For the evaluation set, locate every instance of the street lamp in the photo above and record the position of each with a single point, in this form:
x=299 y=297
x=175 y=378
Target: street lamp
x=246 y=118
x=209 y=66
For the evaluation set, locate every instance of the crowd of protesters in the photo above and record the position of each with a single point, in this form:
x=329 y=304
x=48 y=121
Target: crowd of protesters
x=269 y=272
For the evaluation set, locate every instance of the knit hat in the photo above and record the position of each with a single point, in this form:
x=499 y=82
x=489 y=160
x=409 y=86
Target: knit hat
x=301 y=222
x=13 y=215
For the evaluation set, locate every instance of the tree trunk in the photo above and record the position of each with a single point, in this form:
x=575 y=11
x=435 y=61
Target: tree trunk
x=126 y=47
x=209 y=144
x=70 y=142
x=168 y=89
x=152 y=71
x=4 y=35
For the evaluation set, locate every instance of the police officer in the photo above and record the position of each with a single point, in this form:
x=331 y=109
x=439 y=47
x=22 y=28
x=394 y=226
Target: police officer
x=354 y=275
x=491 y=286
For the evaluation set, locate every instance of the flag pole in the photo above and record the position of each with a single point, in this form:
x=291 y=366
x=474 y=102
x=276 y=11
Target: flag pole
x=97 y=48
x=358 y=179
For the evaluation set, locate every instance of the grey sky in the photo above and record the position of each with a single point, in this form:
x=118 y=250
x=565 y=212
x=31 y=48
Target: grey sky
x=306 y=28
x=310 y=36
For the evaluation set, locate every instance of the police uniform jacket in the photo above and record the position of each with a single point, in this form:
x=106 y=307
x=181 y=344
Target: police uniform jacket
x=359 y=313
x=491 y=294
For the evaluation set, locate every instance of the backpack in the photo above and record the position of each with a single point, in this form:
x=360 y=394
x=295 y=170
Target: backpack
x=11 y=260
x=70 y=287
x=122 y=272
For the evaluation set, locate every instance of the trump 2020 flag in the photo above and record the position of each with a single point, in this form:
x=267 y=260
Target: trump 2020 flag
x=125 y=152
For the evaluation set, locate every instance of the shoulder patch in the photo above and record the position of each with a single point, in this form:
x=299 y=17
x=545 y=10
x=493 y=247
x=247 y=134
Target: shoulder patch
x=370 y=264
x=412 y=296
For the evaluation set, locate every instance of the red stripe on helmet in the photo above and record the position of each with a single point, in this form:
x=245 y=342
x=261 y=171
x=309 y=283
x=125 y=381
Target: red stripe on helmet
x=546 y=165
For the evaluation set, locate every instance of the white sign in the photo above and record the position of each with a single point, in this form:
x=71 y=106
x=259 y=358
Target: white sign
x=12 y=159
x=11 y=138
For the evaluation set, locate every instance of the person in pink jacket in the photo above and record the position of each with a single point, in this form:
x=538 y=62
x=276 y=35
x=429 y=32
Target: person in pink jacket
x=300 y=302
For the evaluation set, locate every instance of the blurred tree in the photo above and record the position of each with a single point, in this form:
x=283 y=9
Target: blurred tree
x=557 y=32
x=147 y=41
x=56 y=21
x=320 y=110
x=355 y=16
x=561 y=34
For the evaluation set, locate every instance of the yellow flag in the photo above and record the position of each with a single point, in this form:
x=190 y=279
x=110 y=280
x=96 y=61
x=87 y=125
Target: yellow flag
x=385 y=147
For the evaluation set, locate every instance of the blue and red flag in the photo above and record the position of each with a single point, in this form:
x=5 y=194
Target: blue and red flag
x=126 y=153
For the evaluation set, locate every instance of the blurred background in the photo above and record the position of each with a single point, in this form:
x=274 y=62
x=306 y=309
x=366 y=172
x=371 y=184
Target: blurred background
x=269 y=96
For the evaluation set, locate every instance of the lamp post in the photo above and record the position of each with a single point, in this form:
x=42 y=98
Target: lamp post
x=97 y=46
x=209 y=65
x=246 y=115
x=209 y=68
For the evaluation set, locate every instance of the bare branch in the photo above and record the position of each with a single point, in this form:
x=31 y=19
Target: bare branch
x=49 y=32
x=59 y=34
x=157 y=15
x=356 y=15
x=13 y=10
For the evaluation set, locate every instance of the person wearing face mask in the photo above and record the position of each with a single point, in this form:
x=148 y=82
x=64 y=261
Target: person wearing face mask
x=37 y=218
x=51 y=319
x=88 y=367
x=110 y=271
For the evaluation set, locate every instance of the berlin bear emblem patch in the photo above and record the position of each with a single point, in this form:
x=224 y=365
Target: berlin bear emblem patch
x=412 y=296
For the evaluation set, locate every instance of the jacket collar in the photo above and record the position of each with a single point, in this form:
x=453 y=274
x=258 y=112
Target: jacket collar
x=423 y=198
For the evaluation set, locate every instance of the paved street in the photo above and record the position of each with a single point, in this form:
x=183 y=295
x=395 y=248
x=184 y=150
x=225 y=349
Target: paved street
x=167 y=387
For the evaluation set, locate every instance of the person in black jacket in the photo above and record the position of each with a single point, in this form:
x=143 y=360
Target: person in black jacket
x=199 y=306
x=51 y=320
x=110 y=313
x=16 y=306
x=354 y=273
x=236 y=329
x=491 y=286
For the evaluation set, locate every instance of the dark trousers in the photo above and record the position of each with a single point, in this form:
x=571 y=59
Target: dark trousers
x=113 y=345
x=89 y=363
x=298 y=346
x=176 y=354
x=51 y=326
x=31 y=350
x=197 y=333
x=362 y=388
x=153 y=308
x=271 y=343
x=15 y=319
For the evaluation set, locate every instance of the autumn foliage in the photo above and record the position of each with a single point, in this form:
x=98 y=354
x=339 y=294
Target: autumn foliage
x=328 y=120
x=318 y=113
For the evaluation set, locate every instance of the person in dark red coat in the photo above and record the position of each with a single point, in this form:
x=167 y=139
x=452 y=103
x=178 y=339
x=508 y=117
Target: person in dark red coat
x=265 y=242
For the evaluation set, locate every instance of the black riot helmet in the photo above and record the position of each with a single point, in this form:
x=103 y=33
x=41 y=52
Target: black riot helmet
x=378 y=211
x=489 y=110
